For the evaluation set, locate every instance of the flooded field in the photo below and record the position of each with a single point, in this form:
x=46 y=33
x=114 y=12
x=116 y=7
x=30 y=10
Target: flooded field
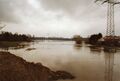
x=80 y=60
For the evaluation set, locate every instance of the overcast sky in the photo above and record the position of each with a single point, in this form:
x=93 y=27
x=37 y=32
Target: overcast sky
x=63 y=18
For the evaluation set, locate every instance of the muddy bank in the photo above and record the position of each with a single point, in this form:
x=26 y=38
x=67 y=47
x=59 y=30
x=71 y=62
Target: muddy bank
x=13 y=68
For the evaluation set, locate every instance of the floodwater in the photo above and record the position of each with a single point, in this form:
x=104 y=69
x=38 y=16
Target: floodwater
x=82 y=62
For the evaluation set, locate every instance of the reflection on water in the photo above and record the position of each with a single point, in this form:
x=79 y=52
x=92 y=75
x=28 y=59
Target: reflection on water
x=109 y=66
x=80 y=60
x=77 y=46
x=95 y=49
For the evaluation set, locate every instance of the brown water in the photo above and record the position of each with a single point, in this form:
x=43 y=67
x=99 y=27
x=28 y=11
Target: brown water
x=83 y=63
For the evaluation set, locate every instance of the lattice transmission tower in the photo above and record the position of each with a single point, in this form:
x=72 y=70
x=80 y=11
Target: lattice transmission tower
x=110 y=31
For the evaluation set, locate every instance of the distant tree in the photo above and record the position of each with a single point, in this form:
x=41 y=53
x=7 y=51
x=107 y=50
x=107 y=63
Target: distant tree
x=100 y=35
x=77 y=38
x=94 y=38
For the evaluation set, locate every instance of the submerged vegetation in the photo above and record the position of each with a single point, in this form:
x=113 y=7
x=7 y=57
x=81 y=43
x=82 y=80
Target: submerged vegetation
x=108 y=43
x=14 y=41
x=6 y=45
x=98 y=39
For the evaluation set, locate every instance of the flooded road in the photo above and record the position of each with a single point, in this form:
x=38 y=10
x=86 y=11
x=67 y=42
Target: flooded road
x=80 y=61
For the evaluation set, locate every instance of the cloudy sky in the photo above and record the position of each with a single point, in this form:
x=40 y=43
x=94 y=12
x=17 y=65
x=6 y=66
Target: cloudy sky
x=63 y=18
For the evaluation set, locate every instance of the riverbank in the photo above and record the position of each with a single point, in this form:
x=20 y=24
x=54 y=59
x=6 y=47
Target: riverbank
x=14 y=68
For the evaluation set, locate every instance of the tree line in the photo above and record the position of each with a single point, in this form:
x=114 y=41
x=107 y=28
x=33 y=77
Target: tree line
x=8 y=36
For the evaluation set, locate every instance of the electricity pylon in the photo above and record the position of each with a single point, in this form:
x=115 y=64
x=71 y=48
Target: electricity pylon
x=110 y=31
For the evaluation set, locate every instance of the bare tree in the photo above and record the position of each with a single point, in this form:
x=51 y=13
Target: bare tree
x=1 y=27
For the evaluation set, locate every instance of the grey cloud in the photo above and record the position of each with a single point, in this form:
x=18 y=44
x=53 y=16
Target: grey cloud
x=78 y=9
x=69 y=6
x=85 y=11
x=75 y=8
x=8 y=10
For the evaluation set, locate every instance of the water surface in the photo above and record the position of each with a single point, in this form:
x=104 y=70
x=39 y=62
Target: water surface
x=81 y=61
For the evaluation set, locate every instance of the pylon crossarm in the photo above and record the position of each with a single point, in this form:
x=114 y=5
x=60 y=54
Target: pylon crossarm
x=108 y=1
x=116 y=3
x=104 y=2
x=101 y=1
